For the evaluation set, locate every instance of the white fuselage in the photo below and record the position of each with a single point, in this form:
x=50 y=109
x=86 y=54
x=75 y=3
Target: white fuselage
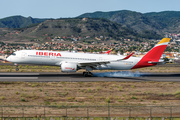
x=41 y=57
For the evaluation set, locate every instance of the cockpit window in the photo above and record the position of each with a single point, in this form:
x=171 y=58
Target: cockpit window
x=13 y=54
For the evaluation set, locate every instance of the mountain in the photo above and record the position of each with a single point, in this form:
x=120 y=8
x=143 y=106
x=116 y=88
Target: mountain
x=153 y=22
x=115 y=24
x=168 y=20
x=79 y=27
x=18 y=21
x=159 y=22
x=93 y=27
x=99 y=14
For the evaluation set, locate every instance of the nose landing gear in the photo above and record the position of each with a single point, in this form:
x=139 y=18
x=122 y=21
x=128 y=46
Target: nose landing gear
x=17 y=69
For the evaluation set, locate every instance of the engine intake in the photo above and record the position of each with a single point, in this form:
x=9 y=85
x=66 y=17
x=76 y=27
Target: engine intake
x=68 y=67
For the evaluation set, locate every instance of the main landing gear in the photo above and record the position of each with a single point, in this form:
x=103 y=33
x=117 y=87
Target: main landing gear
x=87 y=74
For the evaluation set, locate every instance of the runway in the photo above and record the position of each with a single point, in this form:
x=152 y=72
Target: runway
x=78 y=77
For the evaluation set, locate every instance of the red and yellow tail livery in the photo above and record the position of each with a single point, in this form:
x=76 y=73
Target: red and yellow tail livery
x=153 y=56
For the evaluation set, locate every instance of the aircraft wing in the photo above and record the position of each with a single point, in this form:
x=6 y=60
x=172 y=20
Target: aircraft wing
x=96 y=63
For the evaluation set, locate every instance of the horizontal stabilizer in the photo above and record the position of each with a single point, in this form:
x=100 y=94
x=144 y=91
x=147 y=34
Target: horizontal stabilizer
x=153 y=62
x=160 y=62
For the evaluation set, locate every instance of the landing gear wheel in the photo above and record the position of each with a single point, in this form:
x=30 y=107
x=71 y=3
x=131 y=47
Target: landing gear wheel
x=17 y=69
x=90 y=74
x=84 y=73
x=87 y=74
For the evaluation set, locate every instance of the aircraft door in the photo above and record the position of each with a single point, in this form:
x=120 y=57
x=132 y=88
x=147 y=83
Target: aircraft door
x=52 y=57
x=136 y=61
x=23 y=55
x=100 y=59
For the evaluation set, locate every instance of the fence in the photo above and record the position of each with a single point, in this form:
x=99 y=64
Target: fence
x=89 y=111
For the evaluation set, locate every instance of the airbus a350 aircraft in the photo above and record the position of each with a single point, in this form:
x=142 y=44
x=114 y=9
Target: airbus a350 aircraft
x=71 y=62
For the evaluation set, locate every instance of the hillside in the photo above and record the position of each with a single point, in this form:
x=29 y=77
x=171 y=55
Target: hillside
x=70 y=27
x=153 y=22
x=18 y=21
x=99 y=14
x=168 y=20
x=152 y=25
x=160 y=22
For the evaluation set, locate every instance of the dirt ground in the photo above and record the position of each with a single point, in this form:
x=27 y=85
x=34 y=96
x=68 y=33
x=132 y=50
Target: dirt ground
x=90 y=93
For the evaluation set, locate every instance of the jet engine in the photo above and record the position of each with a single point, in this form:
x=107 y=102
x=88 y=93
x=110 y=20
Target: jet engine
x=68 y=67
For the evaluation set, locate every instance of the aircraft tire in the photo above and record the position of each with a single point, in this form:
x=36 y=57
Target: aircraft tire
x=17 y=69
x=87 y=74
x=84 y=73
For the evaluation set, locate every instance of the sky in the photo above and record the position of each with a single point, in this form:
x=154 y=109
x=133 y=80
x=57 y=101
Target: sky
x=73 y=8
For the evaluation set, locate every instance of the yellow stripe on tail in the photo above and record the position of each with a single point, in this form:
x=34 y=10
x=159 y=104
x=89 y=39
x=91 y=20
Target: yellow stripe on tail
x=164 y=40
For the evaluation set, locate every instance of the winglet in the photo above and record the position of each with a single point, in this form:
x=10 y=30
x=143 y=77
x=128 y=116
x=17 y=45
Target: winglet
x=127 y=57
x=109 y=51
x=164 y=41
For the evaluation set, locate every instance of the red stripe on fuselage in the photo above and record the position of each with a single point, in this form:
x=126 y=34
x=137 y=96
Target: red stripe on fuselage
x=153 y=55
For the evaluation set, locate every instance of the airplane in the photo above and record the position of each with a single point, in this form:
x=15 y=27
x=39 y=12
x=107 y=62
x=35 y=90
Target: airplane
x=72 y=62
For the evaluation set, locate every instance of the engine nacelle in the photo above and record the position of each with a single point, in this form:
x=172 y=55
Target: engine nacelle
x=68 y=67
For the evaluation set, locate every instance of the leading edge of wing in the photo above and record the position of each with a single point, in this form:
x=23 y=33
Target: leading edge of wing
x=92 y=63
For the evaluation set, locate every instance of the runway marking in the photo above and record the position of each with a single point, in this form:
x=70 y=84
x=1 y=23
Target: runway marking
x=18 y=78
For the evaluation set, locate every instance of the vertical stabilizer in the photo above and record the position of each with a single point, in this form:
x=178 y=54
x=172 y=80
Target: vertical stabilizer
x=153 y=56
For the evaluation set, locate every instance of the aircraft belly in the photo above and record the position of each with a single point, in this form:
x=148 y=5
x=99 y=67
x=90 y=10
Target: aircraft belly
x=121 y=65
